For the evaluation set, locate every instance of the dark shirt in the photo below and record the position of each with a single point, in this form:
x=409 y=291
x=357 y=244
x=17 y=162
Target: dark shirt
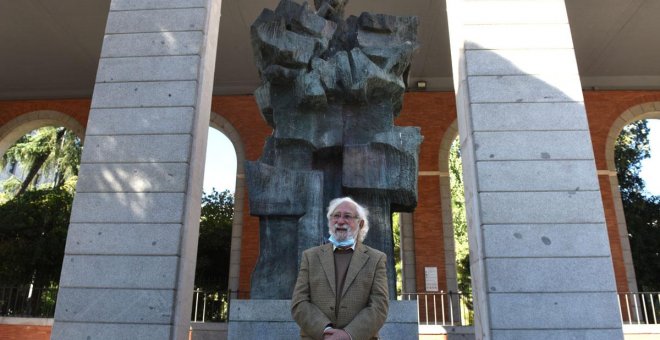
x=342 y=260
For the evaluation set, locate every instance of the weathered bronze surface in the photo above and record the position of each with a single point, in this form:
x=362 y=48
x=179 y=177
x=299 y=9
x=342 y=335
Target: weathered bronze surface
x=331 y=89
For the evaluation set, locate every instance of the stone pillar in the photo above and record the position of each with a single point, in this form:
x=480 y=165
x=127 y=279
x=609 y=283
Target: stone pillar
x=541 y=262
x=408 y=253
x=129 y=262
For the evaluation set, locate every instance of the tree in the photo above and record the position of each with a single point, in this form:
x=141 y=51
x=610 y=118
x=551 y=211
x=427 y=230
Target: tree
x=34 y=222
x=214 y=245
x=459 y=220
x=396 y=240
x=33 y=229
x=49 y=151
x=642 y=211
x=8 y=187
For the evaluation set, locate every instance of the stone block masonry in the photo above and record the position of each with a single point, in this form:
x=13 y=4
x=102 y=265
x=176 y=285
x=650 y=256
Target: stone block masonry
x=523 y=138
x=130 y=257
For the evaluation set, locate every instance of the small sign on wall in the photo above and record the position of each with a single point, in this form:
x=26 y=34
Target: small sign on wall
x=431 y=278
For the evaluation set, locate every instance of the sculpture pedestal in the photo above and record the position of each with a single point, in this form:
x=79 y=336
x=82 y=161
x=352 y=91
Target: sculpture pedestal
x=260 y=319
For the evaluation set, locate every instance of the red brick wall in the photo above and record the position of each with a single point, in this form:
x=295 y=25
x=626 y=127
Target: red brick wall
x=603 y=108
x=76 y=108
x=24 y=332
x=433 y=112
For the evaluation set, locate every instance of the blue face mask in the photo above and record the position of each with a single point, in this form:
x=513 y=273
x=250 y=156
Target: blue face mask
x=346 y=243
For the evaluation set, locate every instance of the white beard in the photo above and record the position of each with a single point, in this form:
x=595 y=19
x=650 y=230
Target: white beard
x=343 y=233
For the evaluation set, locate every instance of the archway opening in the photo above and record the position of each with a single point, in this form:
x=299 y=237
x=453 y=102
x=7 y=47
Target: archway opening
x=460 y=229
x=38 y=176
x=221 y=163
x=635 y=163
x=210 y=303
x=398 y=264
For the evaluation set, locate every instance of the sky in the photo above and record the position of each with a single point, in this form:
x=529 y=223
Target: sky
x=220 y=169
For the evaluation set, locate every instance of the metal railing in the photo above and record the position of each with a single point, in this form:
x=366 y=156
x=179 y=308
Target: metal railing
x=442 y=308
x=210 y=306
x=33 y=302
x=28 y=301
x=640 y=308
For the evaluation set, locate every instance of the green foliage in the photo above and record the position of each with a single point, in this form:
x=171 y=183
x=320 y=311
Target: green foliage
x=642 y=216
x=33 y=230
x=642 y=211
x=45 y=151
x=9 y=188
x=396 y=238
x=214 y=241
x=631 y=147
x=34 y=223
x=459 y=219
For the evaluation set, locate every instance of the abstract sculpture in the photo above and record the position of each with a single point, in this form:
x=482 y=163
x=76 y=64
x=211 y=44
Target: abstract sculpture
x=331 y=89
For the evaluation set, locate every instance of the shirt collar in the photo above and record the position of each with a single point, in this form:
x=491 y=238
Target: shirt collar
x=335 y=247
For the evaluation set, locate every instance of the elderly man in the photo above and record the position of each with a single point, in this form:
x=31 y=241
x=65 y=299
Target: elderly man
x=341 y=291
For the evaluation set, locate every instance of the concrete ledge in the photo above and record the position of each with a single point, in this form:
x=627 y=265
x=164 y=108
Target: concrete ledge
x=401 y=321
x=642 y=329
x=251 y=319
x=208 y=330
x=6 y=320
x=438 y=332
x=109 y=331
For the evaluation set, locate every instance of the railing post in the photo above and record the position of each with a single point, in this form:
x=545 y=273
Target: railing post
x=451 y=307
x=417 y=297
x=655 y=320
x=196 y=292
x=426 y=307
x=636 y=308
x=435 y=312
x=442 y=301
x=646 y=314
x=204 y=309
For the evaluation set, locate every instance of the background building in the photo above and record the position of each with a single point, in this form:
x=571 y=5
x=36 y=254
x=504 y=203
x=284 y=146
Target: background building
x=50 y=62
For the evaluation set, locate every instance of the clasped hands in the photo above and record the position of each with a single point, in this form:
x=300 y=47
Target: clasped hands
x=336 y=334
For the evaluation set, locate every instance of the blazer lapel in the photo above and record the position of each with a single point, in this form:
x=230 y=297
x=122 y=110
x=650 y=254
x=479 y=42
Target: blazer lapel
x=358 y=260
x=328 y=263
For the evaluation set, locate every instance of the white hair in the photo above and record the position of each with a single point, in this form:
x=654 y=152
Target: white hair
x=362 y=214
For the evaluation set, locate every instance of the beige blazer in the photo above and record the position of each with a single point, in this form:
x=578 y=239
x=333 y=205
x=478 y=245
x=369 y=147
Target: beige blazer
x=364 y=299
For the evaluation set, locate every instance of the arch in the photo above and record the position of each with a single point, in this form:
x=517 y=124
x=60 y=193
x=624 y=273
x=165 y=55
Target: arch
x=23 y=124
x=635 y=113
x=632 y=114
x=223 y=125
x=445 y=200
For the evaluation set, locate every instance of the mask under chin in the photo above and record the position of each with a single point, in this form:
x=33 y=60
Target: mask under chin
x=349 y=241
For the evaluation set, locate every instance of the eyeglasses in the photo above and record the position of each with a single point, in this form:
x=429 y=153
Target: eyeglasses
x=346 y=217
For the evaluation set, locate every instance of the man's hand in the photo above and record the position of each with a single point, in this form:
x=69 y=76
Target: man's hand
x=336 y=334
